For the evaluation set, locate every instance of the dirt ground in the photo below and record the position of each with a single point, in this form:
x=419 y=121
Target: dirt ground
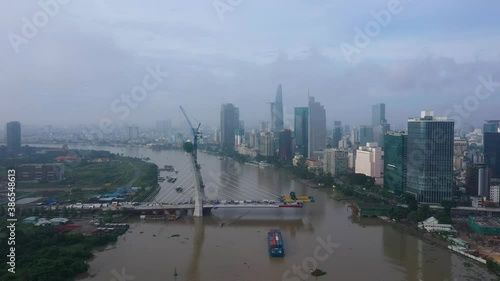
x=486 y=245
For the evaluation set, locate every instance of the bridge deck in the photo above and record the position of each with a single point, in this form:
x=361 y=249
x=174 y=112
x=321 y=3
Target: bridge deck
x=191 y=206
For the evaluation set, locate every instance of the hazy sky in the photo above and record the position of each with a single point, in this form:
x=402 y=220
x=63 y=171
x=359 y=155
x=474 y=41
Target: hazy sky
x=78 y=64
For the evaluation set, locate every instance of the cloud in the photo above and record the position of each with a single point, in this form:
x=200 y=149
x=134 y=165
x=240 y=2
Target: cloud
x=94 y=51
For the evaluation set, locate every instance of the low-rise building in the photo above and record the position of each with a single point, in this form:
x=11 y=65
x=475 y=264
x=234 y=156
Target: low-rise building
x=477 y=202
x=52 y=172
x=495 y=194
x=432 y=225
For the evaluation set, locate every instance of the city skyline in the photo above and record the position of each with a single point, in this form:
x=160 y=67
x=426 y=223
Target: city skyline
x=88 y=67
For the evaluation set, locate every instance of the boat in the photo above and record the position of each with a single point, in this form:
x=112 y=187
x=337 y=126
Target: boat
x=179 y=189
x=291 y=205
x=317 y=272
x=253 y=163
x=264 y=165
x=275 y=243
x=169 y=168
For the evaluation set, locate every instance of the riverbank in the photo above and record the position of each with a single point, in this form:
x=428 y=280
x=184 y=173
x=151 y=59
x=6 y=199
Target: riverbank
x=430 y=238
x=62 y=257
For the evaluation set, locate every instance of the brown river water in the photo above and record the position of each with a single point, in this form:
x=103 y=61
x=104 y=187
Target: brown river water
x=230 y=244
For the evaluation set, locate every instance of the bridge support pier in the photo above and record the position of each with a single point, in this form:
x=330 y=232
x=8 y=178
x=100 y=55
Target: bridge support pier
x=198 y=202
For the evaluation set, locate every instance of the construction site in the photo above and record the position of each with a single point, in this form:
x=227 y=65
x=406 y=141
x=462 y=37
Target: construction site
x=482 y=235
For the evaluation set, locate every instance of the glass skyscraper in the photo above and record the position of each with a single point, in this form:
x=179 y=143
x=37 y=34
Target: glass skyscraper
x=430 y=158
x=317 y=129
x=277 y=112
x=492 y=153
x=337 y=134
x=395 y=162
x=229 y=123
x=365 y=135
x=301 y=124
x=378 y=114
x=491 y=126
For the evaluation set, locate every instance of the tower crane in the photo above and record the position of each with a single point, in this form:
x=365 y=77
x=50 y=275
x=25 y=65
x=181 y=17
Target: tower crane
x=196 y=135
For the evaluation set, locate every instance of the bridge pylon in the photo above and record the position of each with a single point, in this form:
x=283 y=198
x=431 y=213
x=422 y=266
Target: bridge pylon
x=198 y=201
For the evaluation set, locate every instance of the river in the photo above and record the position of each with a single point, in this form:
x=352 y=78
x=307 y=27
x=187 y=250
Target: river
x=231 y=244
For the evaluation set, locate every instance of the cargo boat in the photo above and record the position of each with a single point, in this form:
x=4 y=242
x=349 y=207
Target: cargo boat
x=291 y=205
x=275 y=243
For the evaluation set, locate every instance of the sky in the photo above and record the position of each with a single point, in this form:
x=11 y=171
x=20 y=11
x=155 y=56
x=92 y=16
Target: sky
x=69 y=62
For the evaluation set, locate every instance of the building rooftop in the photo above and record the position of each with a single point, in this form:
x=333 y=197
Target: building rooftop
x=487 y=222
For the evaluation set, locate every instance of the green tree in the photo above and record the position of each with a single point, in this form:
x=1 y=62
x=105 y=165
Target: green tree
x=443 y=217
x=412 y=202
x=423 y=212
x=413 y=216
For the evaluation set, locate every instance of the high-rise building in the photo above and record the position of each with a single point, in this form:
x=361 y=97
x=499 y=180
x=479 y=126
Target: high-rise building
x=265 y=126
x=229 y=123
x=492 y=153
x=495 y=194
x=346 y=130
x=239 y=137
x=378 y=133
x=133 y=132
x=13 y=137
x=491 y=126
x=365 y=135
x=379 y=124
x=378 y=114
x=355 y=136
x=277 y=112
x=430 y=158
x=369 y=161
x=301 y=130
x=395 y=162
x=253 y=139
x=459 y=149
x=337 y=133
x=163 y=126
x=285 y=148
x=335 y=161
x=317 y=129
x=266 y=144
x=477 y=180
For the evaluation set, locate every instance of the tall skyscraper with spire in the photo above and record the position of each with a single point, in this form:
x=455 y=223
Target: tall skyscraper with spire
x=379 y=124
x=378 y=114
x=277 y=112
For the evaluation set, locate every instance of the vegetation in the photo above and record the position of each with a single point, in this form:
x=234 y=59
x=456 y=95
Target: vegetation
x=360 y=180
x=148 y=174
x=47 y=255
x=98 y=174
x=493 y=266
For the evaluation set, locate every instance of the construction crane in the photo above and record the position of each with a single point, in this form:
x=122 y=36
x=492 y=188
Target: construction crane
x=196 y=135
